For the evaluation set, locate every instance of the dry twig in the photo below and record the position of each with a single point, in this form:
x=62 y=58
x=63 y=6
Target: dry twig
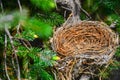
x=5 y=58
x=20 y=7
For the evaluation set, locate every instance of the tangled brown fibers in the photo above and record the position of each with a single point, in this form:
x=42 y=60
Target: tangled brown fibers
x=89 y=42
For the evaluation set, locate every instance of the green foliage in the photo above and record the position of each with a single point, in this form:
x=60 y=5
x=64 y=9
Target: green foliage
x=117 y=54
x=43 y=30
x=41 y=60
x=91 y=5
x=46 y=5
x=113 y=17
x=45 y=76
x=1 y=40
x=23 y=51
x=28 y=35
x=40 y=63
x=114 y=66
x=51 y=19
x=45 y=58
x=99 y=9
x=104 y=74
x=40 y=74
x=111 y=4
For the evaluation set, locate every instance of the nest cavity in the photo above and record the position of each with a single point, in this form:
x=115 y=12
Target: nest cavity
x=87 y=37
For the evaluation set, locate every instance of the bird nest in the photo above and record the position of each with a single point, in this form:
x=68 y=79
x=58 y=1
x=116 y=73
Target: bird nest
x=86 y=43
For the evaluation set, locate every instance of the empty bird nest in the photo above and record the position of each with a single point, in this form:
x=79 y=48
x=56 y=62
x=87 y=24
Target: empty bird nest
x=86 y=43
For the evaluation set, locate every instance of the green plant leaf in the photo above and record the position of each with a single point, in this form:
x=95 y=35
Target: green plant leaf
x=52 y=19
x=45 y=75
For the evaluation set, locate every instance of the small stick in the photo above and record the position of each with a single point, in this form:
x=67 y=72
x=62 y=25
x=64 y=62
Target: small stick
x=20 y=7
x=5 y=57
x=87 y=14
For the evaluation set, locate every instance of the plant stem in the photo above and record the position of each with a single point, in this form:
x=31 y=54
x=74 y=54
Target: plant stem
x=5 y=57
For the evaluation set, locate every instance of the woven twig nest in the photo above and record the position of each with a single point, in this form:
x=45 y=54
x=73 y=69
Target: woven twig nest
x=89 y=42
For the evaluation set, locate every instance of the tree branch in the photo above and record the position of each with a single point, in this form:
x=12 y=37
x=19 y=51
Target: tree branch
x=76 y=8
